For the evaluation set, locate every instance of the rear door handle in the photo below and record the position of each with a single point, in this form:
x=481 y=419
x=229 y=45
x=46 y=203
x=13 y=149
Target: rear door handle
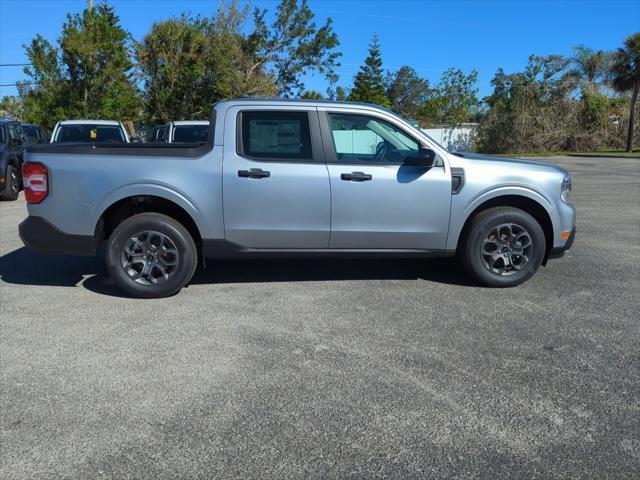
x=355 y=176
x=254 y=173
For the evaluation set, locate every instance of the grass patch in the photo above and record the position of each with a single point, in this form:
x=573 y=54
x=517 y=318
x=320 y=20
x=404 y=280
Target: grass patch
x=597 y=154
x=607 y=153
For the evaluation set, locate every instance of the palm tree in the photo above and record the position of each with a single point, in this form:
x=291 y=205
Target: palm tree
x=588 y=66
x=625 y=76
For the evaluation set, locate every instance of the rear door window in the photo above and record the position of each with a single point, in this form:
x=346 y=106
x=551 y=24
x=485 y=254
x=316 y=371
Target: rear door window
x=275 y=135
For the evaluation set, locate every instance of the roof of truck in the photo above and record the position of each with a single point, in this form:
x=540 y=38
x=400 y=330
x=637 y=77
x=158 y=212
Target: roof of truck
x=303 y=101
x=191 y=122
x=94 y=122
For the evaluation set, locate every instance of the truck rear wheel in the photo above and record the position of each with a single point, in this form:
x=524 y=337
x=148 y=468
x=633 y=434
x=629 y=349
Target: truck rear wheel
x=151 y=255
x=504 y=247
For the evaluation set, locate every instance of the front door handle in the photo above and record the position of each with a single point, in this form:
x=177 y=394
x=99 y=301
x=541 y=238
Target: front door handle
x=254 y=173
x=355 y=176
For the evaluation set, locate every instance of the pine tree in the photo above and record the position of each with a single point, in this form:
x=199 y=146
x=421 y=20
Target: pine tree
x=368 y=83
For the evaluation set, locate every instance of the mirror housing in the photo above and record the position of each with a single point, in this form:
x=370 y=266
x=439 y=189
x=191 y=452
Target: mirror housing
x=425 y=158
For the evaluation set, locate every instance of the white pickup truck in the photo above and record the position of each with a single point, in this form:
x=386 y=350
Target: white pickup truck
x=90 y=131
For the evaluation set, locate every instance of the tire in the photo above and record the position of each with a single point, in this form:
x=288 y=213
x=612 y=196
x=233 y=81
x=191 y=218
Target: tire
x=12 y=185
x=151 y=255
x=503 y=247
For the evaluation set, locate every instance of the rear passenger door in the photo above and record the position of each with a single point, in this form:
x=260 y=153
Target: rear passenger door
x=275 y=182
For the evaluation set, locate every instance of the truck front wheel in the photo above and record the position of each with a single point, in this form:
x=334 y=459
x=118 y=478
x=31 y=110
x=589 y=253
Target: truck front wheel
x=503 y=247
x=151 y=255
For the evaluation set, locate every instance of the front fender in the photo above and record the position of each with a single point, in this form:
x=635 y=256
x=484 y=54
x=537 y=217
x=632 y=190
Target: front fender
x=504 y=190
x=463 y=206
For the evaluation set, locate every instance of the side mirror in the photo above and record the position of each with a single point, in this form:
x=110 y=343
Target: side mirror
x=424 y=158
x=16 y=141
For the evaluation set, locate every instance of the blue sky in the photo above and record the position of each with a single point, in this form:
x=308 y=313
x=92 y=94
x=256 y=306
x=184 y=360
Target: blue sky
x=431 y=36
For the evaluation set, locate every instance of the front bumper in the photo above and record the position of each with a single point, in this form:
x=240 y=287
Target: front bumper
x=38 y=234
x=560 y=251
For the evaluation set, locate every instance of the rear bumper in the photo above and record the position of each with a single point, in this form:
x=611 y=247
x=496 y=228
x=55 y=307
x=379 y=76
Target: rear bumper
x=559 y=251
x=38 y=234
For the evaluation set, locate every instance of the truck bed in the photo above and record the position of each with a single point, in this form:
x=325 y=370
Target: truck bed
x=125 y=149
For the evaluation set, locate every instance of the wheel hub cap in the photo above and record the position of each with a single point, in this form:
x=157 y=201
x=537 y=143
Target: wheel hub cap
x=150 y=257
x=13 y=181
x=506 y=249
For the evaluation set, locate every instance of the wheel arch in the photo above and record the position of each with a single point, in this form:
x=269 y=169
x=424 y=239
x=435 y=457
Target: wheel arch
x=8 y=158
x=530 y=205
x=116 y=209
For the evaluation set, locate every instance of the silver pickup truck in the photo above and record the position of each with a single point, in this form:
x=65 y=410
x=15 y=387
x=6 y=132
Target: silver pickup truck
x=293 y=178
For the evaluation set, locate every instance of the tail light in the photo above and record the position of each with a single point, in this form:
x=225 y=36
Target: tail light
x=35 y=179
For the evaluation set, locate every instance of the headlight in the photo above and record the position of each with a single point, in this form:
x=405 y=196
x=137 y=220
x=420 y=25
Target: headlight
x=565 y=189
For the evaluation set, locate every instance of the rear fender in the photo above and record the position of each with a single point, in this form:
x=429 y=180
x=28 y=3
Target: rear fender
x=150 y=189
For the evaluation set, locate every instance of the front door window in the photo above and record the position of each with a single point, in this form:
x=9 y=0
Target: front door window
x=364 y=139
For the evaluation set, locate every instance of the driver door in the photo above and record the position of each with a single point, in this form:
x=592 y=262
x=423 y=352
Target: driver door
x=377 y=202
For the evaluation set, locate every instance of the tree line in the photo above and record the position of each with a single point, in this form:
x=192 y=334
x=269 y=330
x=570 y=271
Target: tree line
x=185 y=64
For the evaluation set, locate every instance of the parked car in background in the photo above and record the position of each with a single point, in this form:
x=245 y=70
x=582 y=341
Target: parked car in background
x=183 y=131
x=294 y=178
x=34 y=133
x=159 y=134
x=90 y=131
x=12 y=143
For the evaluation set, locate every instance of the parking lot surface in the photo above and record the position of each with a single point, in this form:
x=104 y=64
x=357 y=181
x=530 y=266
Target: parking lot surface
x=309 y=369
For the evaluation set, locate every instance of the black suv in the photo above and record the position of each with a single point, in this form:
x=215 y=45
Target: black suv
x=12 y=143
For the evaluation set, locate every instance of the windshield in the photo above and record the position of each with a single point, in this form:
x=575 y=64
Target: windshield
x=421 y=131
x=89 y=133
x=394 y=136
x=190 y=133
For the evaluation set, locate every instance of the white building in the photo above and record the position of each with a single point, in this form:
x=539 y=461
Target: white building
x=456 y=139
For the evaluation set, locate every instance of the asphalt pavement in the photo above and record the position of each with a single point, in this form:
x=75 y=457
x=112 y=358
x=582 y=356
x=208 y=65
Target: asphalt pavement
x=331 y=369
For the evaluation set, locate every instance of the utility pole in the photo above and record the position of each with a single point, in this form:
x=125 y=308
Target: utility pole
x=90 y=2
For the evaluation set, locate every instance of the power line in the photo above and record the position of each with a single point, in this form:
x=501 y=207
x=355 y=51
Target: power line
x=16 y=84
x=15 y=64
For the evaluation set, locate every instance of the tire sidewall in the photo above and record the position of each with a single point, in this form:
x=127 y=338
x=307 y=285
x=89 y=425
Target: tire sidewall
x=481 y=229
x=180 y=237
x=8 y=192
